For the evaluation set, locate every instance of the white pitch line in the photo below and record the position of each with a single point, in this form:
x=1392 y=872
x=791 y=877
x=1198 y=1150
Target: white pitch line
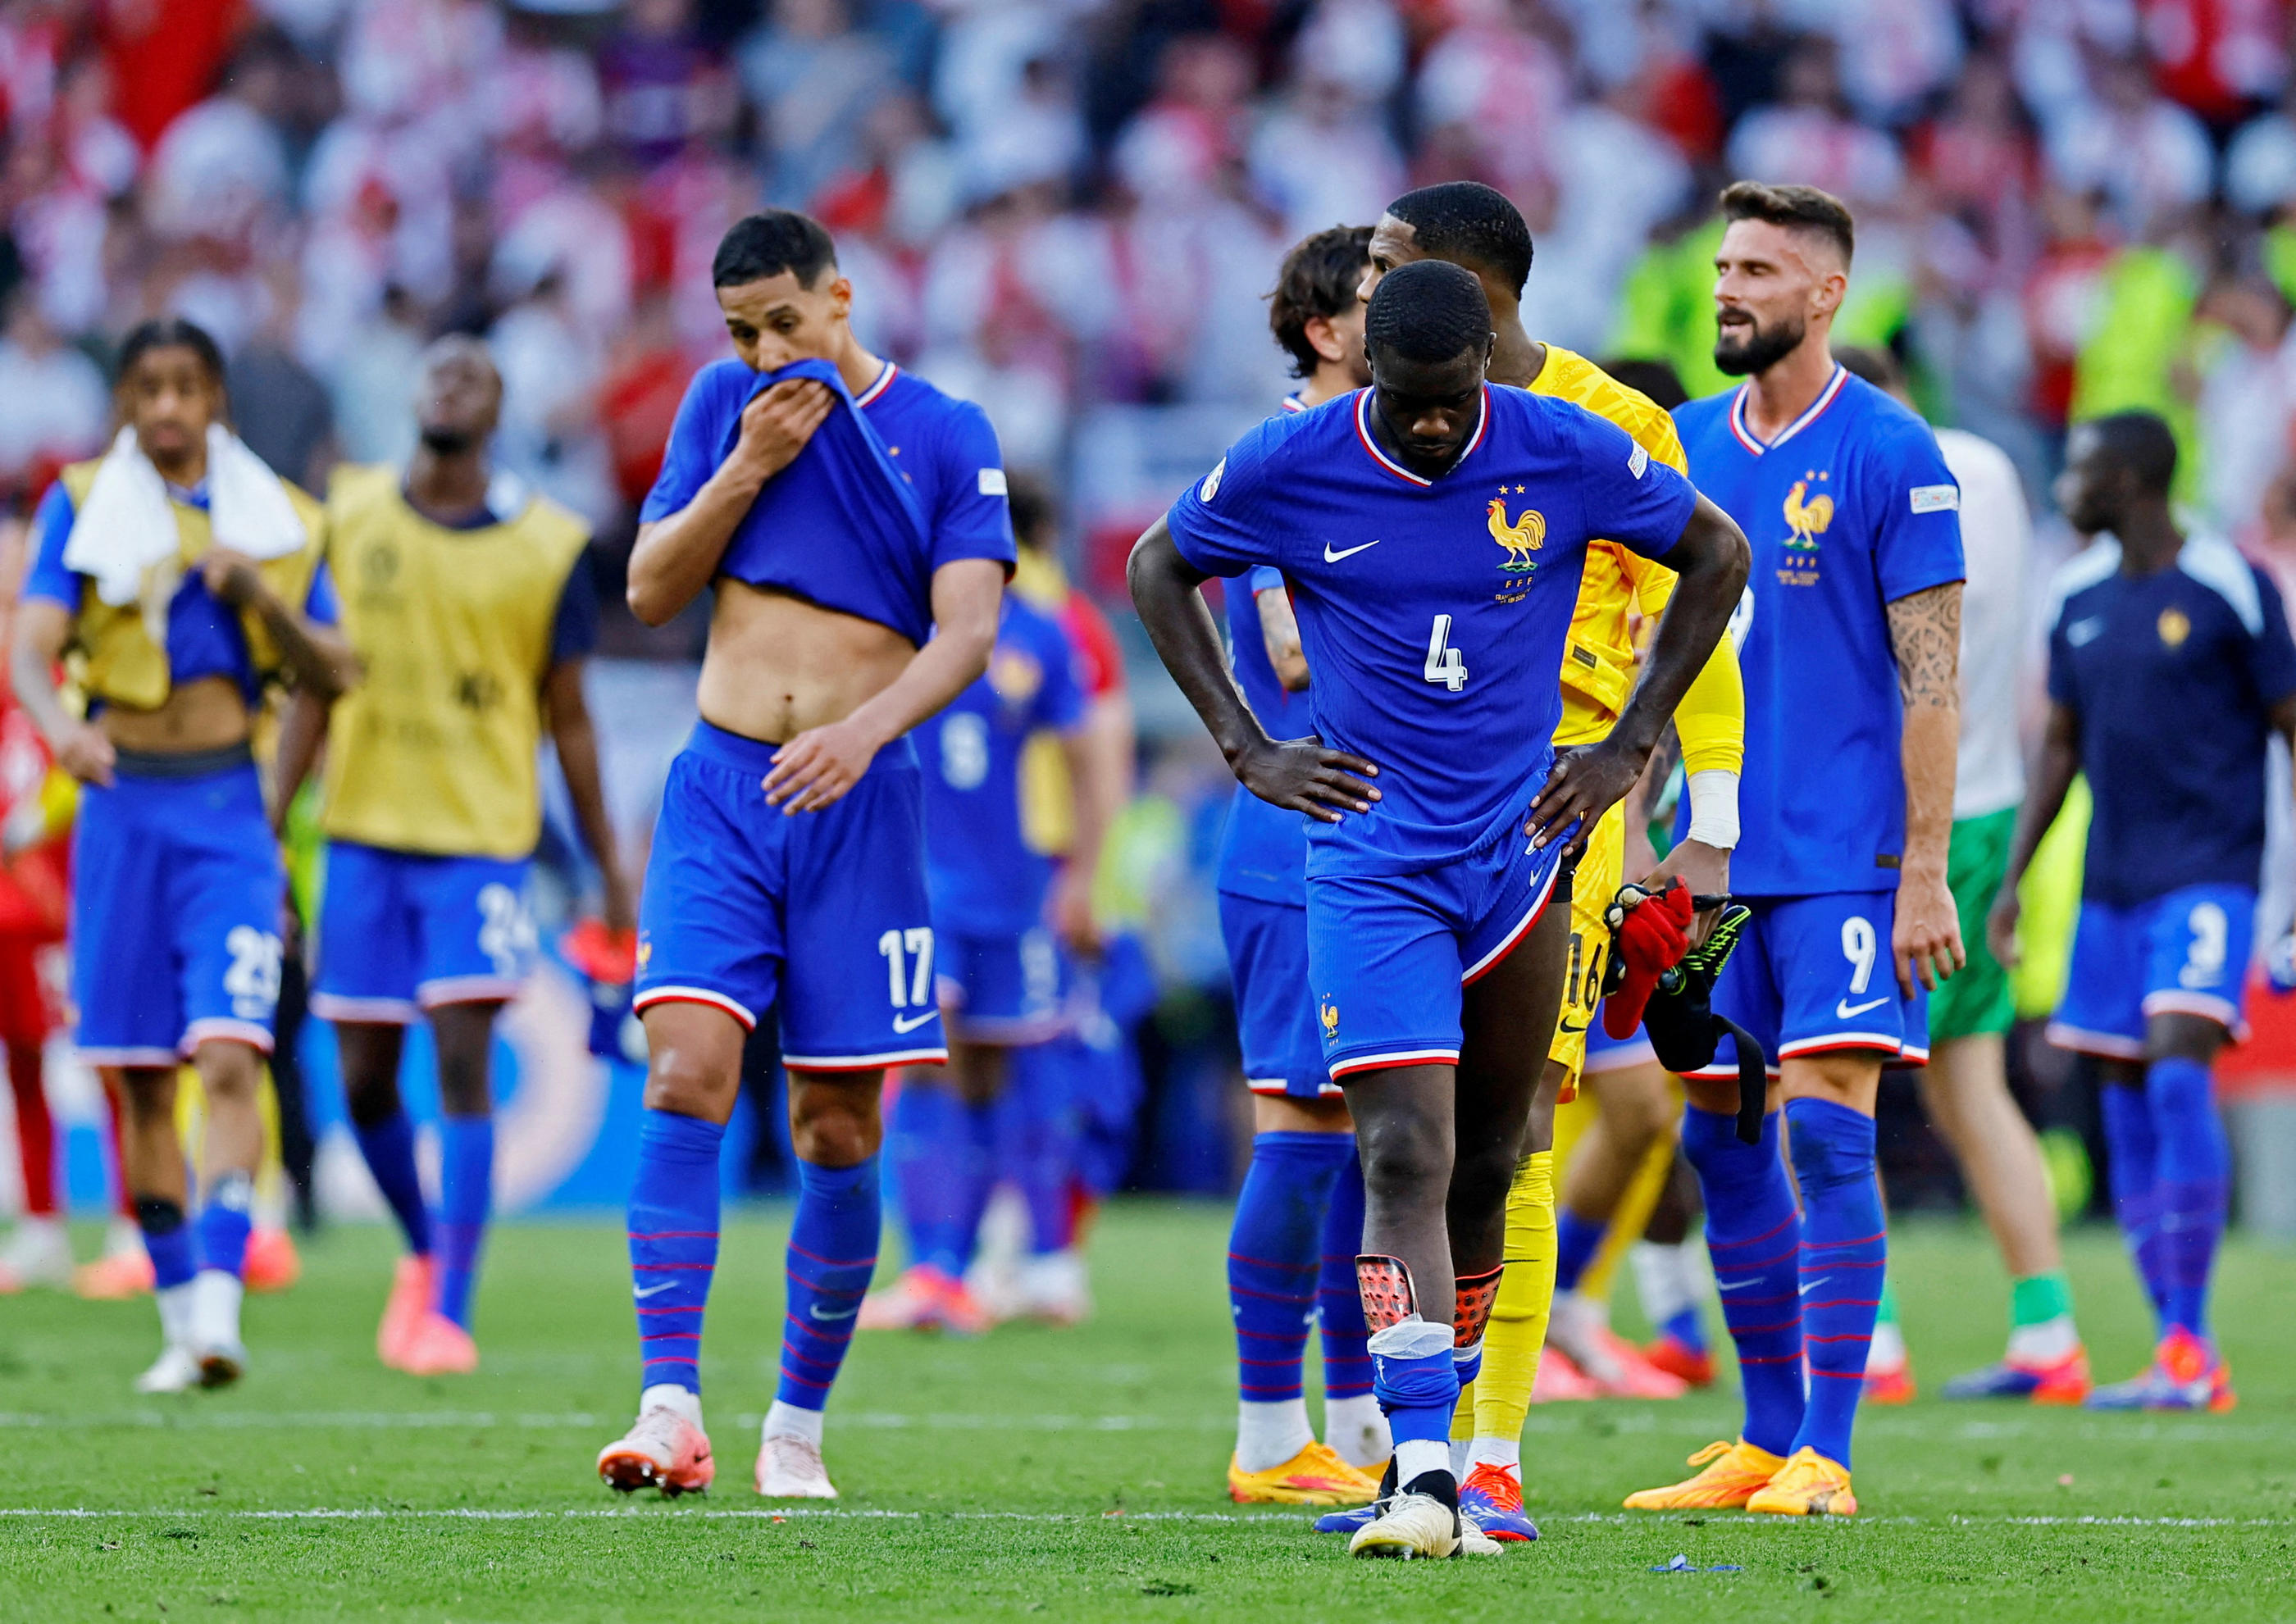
x=766 y=1515
x=479 y=1420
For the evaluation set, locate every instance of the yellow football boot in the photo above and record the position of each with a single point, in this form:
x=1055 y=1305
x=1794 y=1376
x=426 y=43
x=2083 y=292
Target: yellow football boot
x=1808 y=1485
x=1316 y=1476
x=1733 y=1473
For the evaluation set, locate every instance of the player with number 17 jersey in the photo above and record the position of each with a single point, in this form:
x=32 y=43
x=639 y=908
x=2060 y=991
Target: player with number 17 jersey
x=1436 y=647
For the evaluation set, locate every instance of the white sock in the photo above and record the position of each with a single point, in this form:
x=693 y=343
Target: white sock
x=1416 y=1456
x=670 y=1396
x=1267 y=1435
x=215 y=1294
x=1659 y=1280
x=788 y=1420
x=1496 y=1452
x=122 y=1238
x=1357 y=1430
x=40 y=1226
x=175 y=1313
x=1459 y=1447
x=1887 y=1350
x=2045 y=1343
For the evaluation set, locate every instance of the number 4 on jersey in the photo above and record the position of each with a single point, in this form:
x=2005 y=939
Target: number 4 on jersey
x=1444 y=663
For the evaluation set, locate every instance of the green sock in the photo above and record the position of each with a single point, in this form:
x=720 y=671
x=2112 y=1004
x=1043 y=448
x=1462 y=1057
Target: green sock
x=2037 y=1299
x=1887 y=1314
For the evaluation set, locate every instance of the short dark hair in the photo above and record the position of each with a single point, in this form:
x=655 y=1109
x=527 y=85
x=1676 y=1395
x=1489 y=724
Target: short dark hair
x=1318 y=279
x=1428 y=310
x=1656 y=378
x=1035 y=512
x=1877 y=367
x=1472 y=224
x=2140 y=442
x=1795 y=208
x=765 y=244
x=170 y=332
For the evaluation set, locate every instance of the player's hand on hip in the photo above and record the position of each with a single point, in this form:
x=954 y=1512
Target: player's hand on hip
x=778 y=421
x=818 y=766
x=1585 y=783
x=1925 y=941
x=2001 y=927
x=1302 y=775
x=1705 y=869
x=84 y=752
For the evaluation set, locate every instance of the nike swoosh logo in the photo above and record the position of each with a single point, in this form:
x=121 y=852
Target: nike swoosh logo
x=817 y=1314
x=1843 y=1010
x=910 y=1022
x=1333 y=558
x=1567 y=1027
x=650 y=1290
x=1814 y=1285
x=1733 y=1285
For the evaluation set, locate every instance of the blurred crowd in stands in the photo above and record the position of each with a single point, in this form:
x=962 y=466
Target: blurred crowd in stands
x=1070 y=210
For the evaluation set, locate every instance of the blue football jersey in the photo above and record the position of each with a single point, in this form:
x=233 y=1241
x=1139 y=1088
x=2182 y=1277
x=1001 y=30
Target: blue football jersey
x=2173 y=676
x=1433 y=612
x=891 y=486
x=1848 y=509
x=984 y=876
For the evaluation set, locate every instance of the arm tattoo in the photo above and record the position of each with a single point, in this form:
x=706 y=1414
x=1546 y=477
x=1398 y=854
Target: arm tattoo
x=1926 y=631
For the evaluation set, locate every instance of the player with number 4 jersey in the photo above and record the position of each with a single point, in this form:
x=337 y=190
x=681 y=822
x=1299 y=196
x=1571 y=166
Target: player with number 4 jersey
x=1435 y=645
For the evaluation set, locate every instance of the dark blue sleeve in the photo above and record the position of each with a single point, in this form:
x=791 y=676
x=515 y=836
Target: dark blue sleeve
x=2061 y=690
x=1917 y=514
x=52 y=524
x=1061 y=701
x=691 y=456
x=574 y=634
x=1643 y=504
x=1223 y=524
x=2271 y=655
x=320 y=605
x=972 y=520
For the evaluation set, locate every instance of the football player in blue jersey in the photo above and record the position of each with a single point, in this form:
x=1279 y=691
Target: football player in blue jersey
x=1436 y=961
x=1848 y=637
x=1299 y=1217
x=1002 y=908
x=852 y=521
x=2171 y=668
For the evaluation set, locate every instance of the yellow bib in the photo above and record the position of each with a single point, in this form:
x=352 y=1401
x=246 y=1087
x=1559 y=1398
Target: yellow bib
x=116 y=658
x=435 y=750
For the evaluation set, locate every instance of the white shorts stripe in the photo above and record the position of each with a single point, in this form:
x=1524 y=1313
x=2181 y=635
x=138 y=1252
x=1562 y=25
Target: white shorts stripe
x=1399 y=1056
x=1636 y=1052
x=466 y=990
x=127 y=1057
x=364 y=1011
x=221 y=1029
x=936 y=1056
x=696 y=995
x=1537 y=907
x=2208 y=1005
x=1273 y=1087
x=1842 y=1040
x=2110 y=1045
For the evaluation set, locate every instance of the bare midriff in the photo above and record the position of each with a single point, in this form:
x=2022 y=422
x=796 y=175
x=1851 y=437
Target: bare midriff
x=205 y=713
x=777 y=666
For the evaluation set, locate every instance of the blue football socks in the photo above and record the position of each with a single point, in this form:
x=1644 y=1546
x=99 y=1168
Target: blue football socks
x=673 y=1230
x=389 y=1147
x=1844 y=1254
x=1576 y=1241
x=224 y=1219
x=1687 y=1326
x=1339 y=1298
x=1754 y=1234
x=1274 y=1256
x=167 y=1241
x=833 y=1251
x=944 y=1163
x=466 y=1181
x=2194 y=1169
x=2132 y=1174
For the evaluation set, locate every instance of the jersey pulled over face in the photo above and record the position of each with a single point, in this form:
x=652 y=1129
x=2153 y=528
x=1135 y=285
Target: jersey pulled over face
x=1848 y=509
x=1433 y=612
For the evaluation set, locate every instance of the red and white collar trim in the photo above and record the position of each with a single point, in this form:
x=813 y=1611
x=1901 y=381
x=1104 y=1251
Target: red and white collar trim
x=1363 y=433
x=884 y=381
x=1825 y=399
x=1292 y=402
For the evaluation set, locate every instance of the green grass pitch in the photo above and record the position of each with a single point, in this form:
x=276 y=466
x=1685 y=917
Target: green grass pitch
x=1074 y=1474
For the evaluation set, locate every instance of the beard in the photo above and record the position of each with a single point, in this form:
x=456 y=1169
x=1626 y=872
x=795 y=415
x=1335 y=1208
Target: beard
x=448 y=442
x=1759 y=351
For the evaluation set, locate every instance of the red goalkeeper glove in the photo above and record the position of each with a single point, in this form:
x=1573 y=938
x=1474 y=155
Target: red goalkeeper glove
x=1647 y=939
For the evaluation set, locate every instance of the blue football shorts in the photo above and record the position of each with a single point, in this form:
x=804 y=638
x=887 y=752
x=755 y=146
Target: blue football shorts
x=402 y=932
x=1605 y=1053
x=1388 y=956
x=1812 y=975
x=821 y=914
x=1000 y=989
x=177 y=893
x=1274 y=1012
x=2183 y=953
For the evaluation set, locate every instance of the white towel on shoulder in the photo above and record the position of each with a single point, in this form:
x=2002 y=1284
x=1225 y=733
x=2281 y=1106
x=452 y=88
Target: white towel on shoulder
x=126 y=527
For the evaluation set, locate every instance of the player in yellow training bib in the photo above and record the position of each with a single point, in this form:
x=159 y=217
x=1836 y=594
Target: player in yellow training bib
x=469 y=601
x=1475 y=227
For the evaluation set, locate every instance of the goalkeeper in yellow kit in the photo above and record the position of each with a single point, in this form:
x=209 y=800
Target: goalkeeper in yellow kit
x=1475 y=227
